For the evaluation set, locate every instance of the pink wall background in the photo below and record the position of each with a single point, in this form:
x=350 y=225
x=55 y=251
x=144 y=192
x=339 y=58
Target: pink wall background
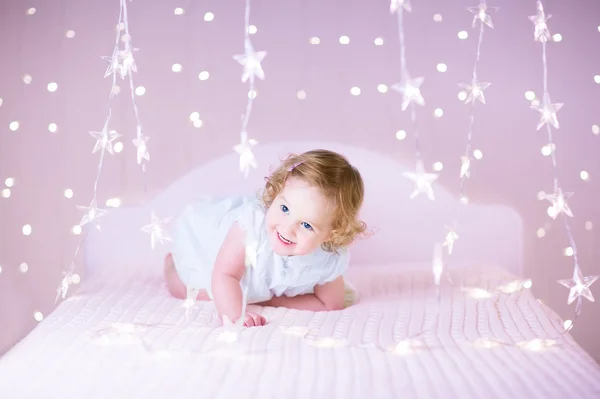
x=512 y=171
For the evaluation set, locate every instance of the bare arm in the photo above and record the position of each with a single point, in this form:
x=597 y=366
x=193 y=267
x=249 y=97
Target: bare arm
x=329 y=296
x=227 y=273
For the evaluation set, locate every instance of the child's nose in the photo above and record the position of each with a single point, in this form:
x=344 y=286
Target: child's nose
x=290 y=230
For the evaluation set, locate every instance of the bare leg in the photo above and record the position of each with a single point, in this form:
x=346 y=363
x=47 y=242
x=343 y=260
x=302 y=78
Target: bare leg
x=174 y=283
x=350 y=295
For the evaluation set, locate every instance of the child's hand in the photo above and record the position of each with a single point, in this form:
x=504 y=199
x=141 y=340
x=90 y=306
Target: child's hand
x=254 y=320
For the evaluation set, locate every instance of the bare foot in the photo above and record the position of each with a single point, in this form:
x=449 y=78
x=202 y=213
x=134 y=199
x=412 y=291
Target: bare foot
x=174 y=283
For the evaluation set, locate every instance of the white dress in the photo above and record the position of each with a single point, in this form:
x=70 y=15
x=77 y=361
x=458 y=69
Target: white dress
x=201 y=229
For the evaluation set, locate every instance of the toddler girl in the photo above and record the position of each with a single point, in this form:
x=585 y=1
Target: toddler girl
x=294 y=240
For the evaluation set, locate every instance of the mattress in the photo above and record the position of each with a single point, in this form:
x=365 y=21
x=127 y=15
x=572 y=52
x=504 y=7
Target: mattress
x=130 y=339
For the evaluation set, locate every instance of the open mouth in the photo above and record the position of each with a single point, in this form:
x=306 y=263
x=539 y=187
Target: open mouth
x=283 y=239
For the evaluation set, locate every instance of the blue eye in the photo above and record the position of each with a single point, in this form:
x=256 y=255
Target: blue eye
x=285 y=209
x=306 y=226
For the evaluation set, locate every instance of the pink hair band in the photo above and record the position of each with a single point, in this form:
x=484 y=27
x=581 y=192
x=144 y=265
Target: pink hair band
x=294 y=166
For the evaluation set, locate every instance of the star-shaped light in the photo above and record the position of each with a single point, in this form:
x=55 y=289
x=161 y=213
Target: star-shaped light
x=559 y=203
x=450 y=238
x=541 y=32
x=548 y=112
x=121 y=62
x=465 y=166
x=475 y=90
x=92 y=214
x=480 y=13
x=68 y=279
x=251 y=62
x=114 y=63
x=127 y=62
x=579 y=286
x=156 y=230
x=140 y=144
x=104 y=140
x=423 y=181
x=410 y=90
x=232 y=330
x=395 y=5
x=247 y=159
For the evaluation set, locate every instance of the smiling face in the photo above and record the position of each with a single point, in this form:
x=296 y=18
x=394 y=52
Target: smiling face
x=299 y=219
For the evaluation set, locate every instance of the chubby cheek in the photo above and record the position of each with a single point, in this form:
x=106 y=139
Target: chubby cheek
x=307 y=245
x=272 y=220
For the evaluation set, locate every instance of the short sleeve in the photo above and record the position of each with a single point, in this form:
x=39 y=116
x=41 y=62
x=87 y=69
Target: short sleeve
x=337 y=266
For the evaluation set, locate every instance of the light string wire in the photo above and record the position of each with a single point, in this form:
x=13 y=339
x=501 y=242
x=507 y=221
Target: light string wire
x=140 y=140
x=467 y=158
x=252 y=68
x=410 y=90
x=249 y=103
x=475 y=89
x=404 y=74
x=123 y=63
x=411 y=95
x=559 y=205
x=556 y=185
x=475 y=93
x=104 y=144
x=437 y=258
x=156 y=228
x=233 y=327
x=578 y=285
x=250 y=60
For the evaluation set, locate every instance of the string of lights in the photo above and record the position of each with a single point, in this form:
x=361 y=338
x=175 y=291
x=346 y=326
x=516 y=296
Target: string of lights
x=251 y=61
x=578 y=285
x=472 y=92
x=156 y=229
x=410 y=89
x=104 y=144
x=121 y=63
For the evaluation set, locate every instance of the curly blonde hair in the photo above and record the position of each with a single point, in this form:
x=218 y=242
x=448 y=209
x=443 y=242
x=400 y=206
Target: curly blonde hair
x=338 y=180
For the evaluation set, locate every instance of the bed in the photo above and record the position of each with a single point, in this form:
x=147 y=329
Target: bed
x=120 y=334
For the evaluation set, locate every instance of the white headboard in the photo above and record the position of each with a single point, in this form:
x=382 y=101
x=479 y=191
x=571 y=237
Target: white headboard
x=406 y=229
